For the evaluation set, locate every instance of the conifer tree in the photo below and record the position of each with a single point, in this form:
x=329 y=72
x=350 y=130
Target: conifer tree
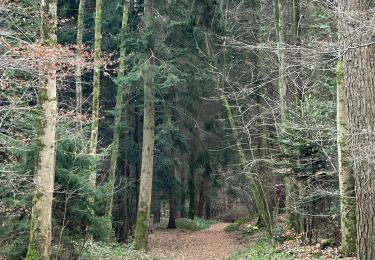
x=118 y=109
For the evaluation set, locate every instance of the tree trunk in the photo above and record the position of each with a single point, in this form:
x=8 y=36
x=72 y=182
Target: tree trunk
x=292 y=194
x=132 y=197
x=207 y=203
x=124 y=230
x=157 y=212
x=346 y=177
x=251 y=178
x=41 y=216
x=78 y=73
x=191 y=187
x=355 y=40
x=118 y=111
x=143 y=214
x=290 y=191
x=280 y=31
x=173 y=201
x=183 y=195
x=96 y=88
x=202 y=190
x=254 y=184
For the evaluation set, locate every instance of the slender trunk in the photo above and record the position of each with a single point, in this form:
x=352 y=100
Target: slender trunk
x=207 y=202
x=157 y=212
x=202 y=190
x=254 y=184
x=355 y=40
x=41 y=216
x=183 y=195
x=132 y=197
x=290 y=192
x=346 y=177
x=143 y=214
x=124 y=230
x=78 y=73
x=96 y=88
x=191 y=190
x=251 y=178
x=280 y=32
x=173 y=201
x=118 y=111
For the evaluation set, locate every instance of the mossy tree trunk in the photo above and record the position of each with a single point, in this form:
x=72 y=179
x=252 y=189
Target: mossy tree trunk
x=144 y=204
x=346 y=176
x=118 y=111
x=96 y=88
x=355 y=42
x=78 y=73
x=251 y=178
x=44 y=175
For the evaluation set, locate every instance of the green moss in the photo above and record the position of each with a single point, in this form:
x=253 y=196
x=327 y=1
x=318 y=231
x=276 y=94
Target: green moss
x=339 y=72
x=33 y=251
x=141 y=230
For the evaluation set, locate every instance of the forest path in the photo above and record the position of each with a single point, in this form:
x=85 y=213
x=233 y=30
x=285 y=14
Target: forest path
x=213 y=243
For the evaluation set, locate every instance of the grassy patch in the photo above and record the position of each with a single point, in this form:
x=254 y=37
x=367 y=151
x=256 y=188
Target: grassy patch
x=236 y=225
x=262 y=249
x=194 y=224
x=113 y=251
x=232 y=227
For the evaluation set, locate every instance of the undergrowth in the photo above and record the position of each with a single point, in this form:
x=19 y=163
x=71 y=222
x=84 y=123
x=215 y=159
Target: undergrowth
x=114 y=251
x=262 y=249
x=236 y=225
x=194 y=224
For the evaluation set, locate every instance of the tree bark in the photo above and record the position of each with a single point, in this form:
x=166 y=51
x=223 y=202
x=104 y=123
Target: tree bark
x=207 y=202
x=118 y=111
x=346 y=177
x=96 y=89
x=124 y=229
x=183 y=195
x=202 y=190
x=143 y=214
x=173 y=201
x=157 y=212
x=78 y=73
x=280 y=31
x=290 y=191
x=44 y=175
x=191 y=187
x=355 y=41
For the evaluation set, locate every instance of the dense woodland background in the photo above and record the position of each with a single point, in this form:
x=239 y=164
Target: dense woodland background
x=243 y=97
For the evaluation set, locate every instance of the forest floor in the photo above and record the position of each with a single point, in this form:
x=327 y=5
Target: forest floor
x=212 y=243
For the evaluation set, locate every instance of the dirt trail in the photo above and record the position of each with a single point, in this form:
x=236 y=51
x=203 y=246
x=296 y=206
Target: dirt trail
x=210 y=244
